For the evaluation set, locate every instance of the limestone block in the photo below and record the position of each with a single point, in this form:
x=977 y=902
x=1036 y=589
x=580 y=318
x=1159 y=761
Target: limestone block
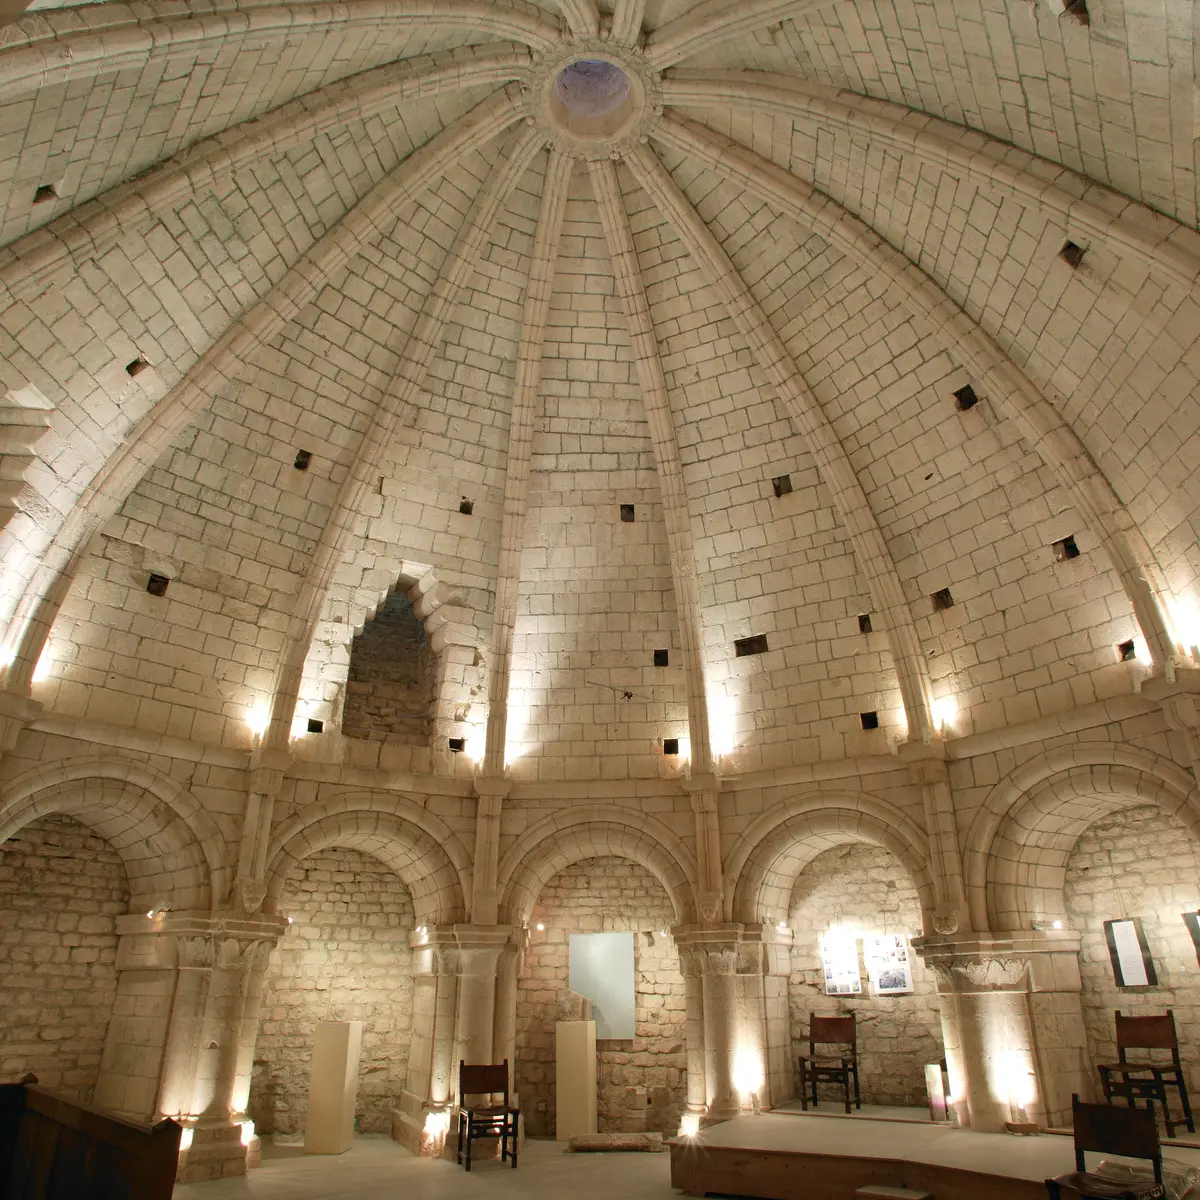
x=333 y=1088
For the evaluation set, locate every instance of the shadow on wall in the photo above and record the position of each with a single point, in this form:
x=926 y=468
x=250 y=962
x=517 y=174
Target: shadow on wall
x=864 y=889
x=1137 y=863
x=642 y=1083
x=345 y=957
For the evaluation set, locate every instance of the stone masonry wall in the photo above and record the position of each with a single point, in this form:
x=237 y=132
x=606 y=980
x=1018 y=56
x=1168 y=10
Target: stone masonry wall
x=345 y=958
x=602 y=895
x=865 y=888
x=61 y=890
x=389 y=692
x=1137 y=863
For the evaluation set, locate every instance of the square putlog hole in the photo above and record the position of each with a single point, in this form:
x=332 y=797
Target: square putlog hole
x=670 y=745
x=782 y=485
x=315 y=726
x=662 y=658
x=864 y=622
x=1127 y=651
x=627 y=513
x=965 y=398
x=302 y=459
x=1072 y=255
x=942 y=600
x=46 y=193
x=457 y=745
x=756 y=644
x=466 y=507
x=1066 y=549
x=156 y=585
x=869 y=720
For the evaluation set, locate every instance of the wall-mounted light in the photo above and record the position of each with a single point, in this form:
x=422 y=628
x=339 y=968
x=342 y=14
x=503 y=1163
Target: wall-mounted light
x=258 y=718
x=247 y=1132
x=689 y=1125
x=540 y=927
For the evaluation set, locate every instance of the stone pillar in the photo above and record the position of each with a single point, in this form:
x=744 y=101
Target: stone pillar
x=729 y=960
x=928 y=769
x=691 y=964
x=181 y=1040
x=1012 y=1023
x=458 y=1006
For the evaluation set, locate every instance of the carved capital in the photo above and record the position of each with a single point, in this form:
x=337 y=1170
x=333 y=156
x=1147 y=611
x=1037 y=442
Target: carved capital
x=195 y=952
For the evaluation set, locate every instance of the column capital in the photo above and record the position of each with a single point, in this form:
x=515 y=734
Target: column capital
x=171 y=940
x=972 y=963
x=16 y=712
x=927 y=762
x=267 y=770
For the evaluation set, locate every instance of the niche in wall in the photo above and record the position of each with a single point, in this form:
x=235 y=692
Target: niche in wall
x=61 y=891
x=345 y=957
x=1139 y=862
x=862 y=890
x=389 y=688
x=601 y=895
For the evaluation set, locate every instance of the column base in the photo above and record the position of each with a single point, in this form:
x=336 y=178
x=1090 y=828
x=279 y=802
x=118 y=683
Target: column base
x=216 y=1152
x=421 y=1129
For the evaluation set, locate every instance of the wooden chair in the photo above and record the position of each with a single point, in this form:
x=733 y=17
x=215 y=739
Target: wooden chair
x=840 y=1069
x=1141 y=1079
x=1100 y=1127
x=487 y=1120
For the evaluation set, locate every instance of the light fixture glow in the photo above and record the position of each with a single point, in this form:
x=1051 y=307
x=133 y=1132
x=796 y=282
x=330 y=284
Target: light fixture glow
x=185 y=1138
x=722 y=725
x=945 y=712
x=540 y=927
x=476 y=743
x=258 y=718
x=45 y=665
x=247 y=1132
x=689 y=1125
x=437 y=1124
x=747 y=1072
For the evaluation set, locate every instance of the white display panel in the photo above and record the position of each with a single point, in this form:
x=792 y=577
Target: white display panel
x=601 y=968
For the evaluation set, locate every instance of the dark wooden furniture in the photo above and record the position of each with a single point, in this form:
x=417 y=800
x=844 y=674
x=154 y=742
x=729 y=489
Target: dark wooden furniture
x=55 y=1148
x=1142 y=1078
x=837 y=1068
x=486 y=1120
x=1100 y=1127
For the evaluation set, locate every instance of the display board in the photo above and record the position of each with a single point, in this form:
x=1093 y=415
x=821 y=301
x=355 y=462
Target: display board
x=601 y=968
x=888 y=965
x=1130 y=954
x=839 y=963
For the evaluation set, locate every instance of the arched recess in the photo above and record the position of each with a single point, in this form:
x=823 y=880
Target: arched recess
x=1020 y=842
x=595 y=832
x=422 y=849
x=445 y=613
x=172 y=849
x=762 y=867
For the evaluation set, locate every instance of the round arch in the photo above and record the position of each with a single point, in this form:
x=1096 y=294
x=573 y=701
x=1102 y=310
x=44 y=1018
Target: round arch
x=422 y=850
x=172 y=849
x=1019 y=842
x=765 y=862
x=594 y=832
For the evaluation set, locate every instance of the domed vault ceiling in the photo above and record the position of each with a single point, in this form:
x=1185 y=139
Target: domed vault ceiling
x=731 y=265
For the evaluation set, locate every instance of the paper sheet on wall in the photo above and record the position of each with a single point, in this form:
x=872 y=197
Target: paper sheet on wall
x=601 y=967
x=1127 y=952
x=839 y=962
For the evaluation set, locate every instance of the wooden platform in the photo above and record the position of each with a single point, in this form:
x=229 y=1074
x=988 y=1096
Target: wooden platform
x=790 y=1157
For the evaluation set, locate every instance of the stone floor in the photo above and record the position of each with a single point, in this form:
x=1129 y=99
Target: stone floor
x=376 y=1167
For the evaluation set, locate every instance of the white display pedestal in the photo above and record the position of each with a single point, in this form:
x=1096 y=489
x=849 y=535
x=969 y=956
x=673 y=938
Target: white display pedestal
x=575 y=1074
x=332 y=1088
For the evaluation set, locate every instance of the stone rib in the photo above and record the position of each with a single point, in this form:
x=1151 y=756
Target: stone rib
x=225 y=361
x=419 y=350
x=830 y=456
x=131 y=207
x=632 y=291
x=538 y=295
x=1039 y=421
x=627 y=22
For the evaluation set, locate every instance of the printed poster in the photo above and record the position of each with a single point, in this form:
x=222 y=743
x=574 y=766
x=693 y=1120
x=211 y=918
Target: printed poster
x=888 y=964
